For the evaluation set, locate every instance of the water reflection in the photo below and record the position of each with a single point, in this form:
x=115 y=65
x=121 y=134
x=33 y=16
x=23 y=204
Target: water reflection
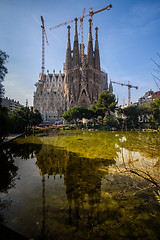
x=144 y=142
x=82 y=178
x=8 y=170
x=147 y=165
x=25 y=150
x=92 y=205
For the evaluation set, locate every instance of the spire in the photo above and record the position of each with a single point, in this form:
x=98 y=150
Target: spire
x=68 y=51
x=75 y=32
x=96 y=56
x=90 y=45
x=75 y=46
x=110 y=87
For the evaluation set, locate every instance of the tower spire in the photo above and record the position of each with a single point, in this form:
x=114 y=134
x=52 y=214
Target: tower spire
x=110 y=87
x=96 y=56
x=96 y=34
x=75 y=46
x=75 y=32
x=90 y=45
x=68 y=52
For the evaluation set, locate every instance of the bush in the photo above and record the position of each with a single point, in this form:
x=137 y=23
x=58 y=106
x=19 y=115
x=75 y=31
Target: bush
x=4 y=123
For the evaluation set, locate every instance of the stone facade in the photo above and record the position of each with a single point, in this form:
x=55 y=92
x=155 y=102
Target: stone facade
x=82 y=71
x=49 y=96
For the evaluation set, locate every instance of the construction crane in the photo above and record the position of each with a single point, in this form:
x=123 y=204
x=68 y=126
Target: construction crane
x=91 y=13
x=129 y=89
x=44 y=35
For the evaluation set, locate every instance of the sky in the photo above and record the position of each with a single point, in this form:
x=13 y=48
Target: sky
x=129 y=38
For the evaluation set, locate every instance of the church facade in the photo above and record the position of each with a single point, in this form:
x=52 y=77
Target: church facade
x=82 y=71
x=79 y=85
x=49 y=96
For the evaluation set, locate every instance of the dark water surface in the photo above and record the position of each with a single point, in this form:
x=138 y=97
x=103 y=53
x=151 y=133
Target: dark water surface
x=82 y=185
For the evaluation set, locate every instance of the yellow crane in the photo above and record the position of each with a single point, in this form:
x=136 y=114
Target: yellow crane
x=129 y=89
x=91 y=14
x=44 y=35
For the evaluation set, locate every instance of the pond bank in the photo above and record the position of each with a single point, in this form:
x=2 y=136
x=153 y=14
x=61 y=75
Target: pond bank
x=73 y=127
x=12 y=137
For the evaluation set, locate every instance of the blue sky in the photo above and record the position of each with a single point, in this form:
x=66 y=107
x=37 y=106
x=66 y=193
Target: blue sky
x=128 y=36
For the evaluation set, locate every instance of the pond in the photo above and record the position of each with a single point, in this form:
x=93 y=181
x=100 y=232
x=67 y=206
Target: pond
x=82 y=185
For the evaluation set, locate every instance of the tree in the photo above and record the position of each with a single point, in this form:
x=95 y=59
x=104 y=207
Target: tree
x=157 y=109
x=4 y=118
x=35 y=117
x=106 y=103
x=157 y=102
x=151 y=113
x=24 y=118
x=88 y=113
x=4 y=123
x=155 y=106
x=144 y=115
x=77 y=113
x=132 y=113
x=73 y=113
x=3 y=72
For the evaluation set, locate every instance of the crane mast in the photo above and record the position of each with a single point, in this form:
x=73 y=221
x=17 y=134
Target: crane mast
x=129 y=89
x=44 y=35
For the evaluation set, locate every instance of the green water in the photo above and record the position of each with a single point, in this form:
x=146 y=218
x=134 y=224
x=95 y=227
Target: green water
x=83 y=185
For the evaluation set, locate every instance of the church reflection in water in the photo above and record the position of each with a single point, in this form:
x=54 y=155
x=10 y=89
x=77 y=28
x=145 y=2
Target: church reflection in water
x=77 y=197
x=82 y=178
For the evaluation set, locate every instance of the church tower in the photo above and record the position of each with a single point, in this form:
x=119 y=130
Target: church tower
x=97 y=68
x=96 y=52
x=76 y=66
x=82 y=74
x=68 y=67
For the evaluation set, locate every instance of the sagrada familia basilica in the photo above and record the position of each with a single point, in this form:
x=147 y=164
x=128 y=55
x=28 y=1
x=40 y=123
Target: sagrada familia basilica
x=79 y=85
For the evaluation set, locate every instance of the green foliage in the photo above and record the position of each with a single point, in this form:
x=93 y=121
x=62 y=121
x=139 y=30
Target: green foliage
x=112 y=122
x=106 y=103
x=132 y=114
x=143 y=116
x=151 y=111
x=23 y=118
x=156 y=109
x=8 y=170
x=77 y=113
x=137 y=117
x=3 y=71
x=4 y=123
x=157 y=102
